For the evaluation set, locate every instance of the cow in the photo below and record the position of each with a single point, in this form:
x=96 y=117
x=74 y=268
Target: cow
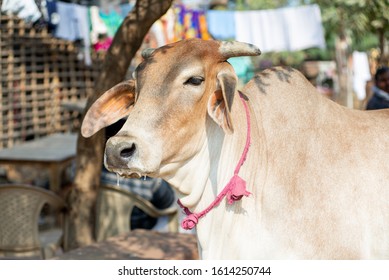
x=272 y=171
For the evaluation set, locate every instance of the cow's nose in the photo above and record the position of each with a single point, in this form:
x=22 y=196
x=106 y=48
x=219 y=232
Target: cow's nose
x=118 y=154
x=127 y=151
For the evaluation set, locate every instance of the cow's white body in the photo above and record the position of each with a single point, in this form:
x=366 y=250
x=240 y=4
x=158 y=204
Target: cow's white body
x=318 y=172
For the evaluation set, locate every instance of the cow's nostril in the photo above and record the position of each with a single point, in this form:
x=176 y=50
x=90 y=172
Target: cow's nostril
x=128 y=152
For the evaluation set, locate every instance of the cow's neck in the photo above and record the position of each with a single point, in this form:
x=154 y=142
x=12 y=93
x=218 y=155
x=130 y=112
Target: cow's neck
x=203 y=177
x=197 y=178
x=191 y=179
x=234 y=190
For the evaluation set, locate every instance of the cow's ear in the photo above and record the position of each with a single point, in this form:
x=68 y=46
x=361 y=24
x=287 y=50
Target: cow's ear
x=113 y=105
x=220 y=101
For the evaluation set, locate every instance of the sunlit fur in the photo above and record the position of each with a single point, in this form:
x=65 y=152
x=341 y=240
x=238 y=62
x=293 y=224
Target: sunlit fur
x=318 y=172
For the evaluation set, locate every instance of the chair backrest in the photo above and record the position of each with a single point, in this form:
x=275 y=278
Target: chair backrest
x=114 y=208
x=20 y=208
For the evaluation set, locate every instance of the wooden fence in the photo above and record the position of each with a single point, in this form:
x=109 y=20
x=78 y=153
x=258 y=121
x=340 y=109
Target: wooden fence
x=38 y=73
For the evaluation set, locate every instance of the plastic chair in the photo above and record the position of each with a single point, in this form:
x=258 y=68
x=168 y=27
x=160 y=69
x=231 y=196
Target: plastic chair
x=114 y=208
x=20 y=208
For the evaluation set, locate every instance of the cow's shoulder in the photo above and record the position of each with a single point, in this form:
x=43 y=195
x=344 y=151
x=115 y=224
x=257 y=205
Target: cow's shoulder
x=280 y=82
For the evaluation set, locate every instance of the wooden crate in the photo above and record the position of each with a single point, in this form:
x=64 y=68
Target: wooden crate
x=38 y=72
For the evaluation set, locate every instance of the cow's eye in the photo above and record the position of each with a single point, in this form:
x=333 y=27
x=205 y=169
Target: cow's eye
x=196 y=81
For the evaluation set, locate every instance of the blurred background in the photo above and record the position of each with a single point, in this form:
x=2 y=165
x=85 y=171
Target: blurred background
x=57 y=56
x=55 y=48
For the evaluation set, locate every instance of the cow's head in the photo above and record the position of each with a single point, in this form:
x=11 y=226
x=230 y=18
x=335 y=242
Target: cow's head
x=176 y=89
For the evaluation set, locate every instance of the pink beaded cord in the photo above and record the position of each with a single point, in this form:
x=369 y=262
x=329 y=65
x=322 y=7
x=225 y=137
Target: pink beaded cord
x=234 y=190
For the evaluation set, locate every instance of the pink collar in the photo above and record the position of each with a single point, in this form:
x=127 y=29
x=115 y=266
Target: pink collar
x=234 y=190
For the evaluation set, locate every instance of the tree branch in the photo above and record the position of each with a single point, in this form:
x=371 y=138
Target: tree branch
x=127 y=40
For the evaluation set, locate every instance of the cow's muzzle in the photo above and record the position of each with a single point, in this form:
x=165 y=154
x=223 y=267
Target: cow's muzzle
x=119 y=153
x=131 y=156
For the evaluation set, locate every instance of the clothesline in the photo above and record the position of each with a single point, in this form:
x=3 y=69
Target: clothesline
x=284 y=29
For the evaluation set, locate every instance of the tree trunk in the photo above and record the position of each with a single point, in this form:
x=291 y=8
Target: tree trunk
x=341 y=62
x=342 y=53
x=82 y=196
x=383 y=59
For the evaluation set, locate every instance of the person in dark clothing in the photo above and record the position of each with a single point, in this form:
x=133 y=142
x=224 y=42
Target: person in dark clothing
x=155 y=190
x=380 y=98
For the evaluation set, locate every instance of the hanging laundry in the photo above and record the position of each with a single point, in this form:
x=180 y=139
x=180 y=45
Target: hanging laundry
x=304 y=27
x=74 y=25
x=243 y=28
x=190 y=23
x=158 y=34
x=189 y=27
x=52 y=15
x=81 y=14
x=203 y=26
x=285 y=29
x=112 y=20
x=361 y=74
x=98 y=26
x=168 y=21
x=221 y=24
x=103 y=43
x=264 y=28
x=179 y=31
x=67 y=27
x=162 y=31
x=25 y=9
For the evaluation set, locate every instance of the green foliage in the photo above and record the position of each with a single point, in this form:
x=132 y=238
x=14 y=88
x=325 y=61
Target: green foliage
x=259 y=4
x=358 y=19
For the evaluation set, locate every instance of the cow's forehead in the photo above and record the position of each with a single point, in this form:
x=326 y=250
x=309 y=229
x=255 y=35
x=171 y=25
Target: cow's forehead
x=192 y=47
x=181 y=54
x=181 y=59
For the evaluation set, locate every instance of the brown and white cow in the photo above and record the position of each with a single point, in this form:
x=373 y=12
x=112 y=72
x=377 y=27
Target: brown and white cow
x=318 y=173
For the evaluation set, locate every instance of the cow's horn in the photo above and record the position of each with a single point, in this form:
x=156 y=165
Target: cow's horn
x=233 y=48
x=146 y=53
